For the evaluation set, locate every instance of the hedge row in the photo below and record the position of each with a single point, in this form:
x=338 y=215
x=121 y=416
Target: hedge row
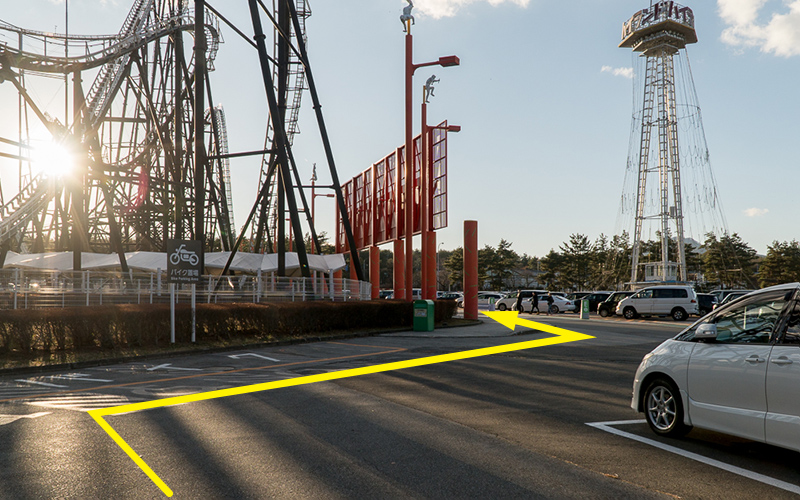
x=113 y=326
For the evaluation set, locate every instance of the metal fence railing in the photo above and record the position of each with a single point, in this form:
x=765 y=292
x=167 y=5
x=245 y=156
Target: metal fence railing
x=32 y=289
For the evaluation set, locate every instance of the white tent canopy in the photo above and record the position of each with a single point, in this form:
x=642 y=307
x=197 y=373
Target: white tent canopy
x=62 y=261
x=153 y=261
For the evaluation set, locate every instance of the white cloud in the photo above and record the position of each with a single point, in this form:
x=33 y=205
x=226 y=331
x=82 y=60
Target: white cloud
x=449 y=8
x=756 y=212
x=748 y=26
x=624 y=72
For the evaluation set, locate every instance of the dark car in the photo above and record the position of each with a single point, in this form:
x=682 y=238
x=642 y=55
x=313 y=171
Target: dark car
x=594 y=298
x=731 y=296
x=722 y=294
x=609 y=306
x=576 y=297
x=705 y=303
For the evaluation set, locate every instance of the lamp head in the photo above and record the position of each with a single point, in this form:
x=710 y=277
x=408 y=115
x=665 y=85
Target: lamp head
x=446 y=61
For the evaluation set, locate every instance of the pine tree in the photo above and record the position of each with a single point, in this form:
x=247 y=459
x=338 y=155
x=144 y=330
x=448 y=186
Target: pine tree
x=781 y=265
x=729 y=262
x=577 y=262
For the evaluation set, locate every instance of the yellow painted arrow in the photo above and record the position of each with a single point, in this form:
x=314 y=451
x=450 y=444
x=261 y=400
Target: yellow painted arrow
x=510 y=319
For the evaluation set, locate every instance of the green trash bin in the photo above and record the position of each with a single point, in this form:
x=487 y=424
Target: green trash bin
x=423 y=316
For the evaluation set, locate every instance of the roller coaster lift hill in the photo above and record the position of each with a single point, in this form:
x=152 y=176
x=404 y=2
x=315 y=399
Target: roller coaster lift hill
x=149 y=145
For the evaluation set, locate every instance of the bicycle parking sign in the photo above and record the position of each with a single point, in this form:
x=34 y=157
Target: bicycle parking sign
x=183 y=261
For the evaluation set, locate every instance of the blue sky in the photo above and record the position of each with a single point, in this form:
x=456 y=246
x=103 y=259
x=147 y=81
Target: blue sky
x=543 y=96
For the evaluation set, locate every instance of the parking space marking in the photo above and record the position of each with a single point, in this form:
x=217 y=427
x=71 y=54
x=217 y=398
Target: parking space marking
x=7 y=419
x=237 y=356
x=390 y=350
x=607 y=427
x=36 y=382
x=561 y=336
x=168 y=366
x=80 y=377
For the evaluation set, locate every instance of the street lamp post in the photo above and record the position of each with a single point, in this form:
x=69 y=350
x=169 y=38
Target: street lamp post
x=313 y=197
x=445 y=61
x=428 y=253
x=438 y=264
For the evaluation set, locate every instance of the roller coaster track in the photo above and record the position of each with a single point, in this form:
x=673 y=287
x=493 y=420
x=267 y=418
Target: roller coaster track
x=295 y=85
x=112 y=52
x=223 y=171
x=133 y=157
x=26 y=205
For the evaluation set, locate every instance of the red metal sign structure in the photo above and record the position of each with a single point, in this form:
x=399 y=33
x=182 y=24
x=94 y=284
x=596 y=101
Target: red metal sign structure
x=439 y=177
x=370 y=197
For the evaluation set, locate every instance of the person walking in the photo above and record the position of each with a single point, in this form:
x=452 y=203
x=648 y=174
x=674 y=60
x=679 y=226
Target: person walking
x=549 y=299
x=535 y=303
x=518 y=303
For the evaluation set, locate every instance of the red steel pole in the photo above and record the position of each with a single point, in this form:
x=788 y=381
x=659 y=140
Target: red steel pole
x=409 y=198
x=433 y=278
x=470 y=269
x=375 y=271
x=399 y=257
x=423 y=200
x=399 y=268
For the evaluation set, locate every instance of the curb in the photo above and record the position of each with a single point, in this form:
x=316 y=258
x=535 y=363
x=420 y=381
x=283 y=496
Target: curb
x=208 y=350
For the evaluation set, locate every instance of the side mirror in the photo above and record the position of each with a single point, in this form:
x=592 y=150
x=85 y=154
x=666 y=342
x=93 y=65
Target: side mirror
x=706 y=331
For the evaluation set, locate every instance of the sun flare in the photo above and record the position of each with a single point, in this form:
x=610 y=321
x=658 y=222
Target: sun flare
x=52 y=159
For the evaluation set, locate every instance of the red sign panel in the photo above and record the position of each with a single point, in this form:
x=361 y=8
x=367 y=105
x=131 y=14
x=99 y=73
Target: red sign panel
x=371 y=197
x=439 y=177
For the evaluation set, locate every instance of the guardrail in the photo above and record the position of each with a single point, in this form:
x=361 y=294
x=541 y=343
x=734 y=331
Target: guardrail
x=31 y=289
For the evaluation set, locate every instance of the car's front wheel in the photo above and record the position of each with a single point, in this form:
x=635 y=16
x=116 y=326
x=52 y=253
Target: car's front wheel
x=553 y=310
x=663 y=409
x=501 y=307
x=603 y=313
x=629 y=313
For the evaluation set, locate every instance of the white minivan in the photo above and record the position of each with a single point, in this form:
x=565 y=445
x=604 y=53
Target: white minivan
x=678 y=301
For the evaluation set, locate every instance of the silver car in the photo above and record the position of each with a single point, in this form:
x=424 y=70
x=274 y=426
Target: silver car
x=735 y=371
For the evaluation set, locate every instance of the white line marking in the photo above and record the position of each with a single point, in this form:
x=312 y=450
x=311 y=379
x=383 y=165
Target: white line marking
x=605 y=426
x=237 y=356
x=7 y=419
x=170 y=367
x=25 y=381
x=79 y=377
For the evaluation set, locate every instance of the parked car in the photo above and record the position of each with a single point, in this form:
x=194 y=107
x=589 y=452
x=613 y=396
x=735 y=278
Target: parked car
x=507 y=302
x=609 y=306
x=721 y=294
x=484 y=298
x=706 y=303
x=734 y=371
x=730 y=297
x=450 y=296
x=560 y=304
x=576 y=296
x=678 y=301
x=386 y=294
x=594 y=298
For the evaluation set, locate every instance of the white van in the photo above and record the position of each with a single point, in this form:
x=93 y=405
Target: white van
x=678 y=301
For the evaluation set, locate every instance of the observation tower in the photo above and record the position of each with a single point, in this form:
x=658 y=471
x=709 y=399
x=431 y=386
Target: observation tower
x=658 y=35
